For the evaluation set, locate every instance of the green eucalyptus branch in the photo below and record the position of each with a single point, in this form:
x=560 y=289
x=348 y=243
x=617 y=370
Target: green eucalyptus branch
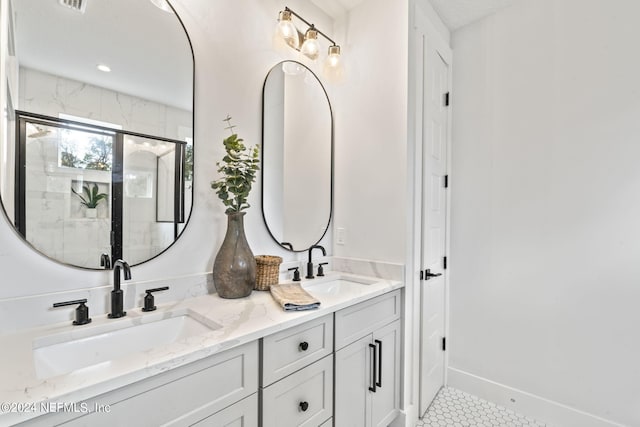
x=238 y=169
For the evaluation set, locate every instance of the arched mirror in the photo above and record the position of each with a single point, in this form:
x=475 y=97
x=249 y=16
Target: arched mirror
x=297 y=156
x=96 y=148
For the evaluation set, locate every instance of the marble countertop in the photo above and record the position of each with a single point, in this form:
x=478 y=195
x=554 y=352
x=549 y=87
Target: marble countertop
x=241 y=320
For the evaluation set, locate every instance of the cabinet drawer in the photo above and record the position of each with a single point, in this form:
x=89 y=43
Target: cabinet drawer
x=362 y=319
x=181 y=396
x=290 y=350
x=301 y=399
x=243 y=414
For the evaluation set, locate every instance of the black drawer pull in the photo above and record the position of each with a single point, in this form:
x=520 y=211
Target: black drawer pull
x=373 y=369
x=379 y=345
x=304 y=406
x=303 y=346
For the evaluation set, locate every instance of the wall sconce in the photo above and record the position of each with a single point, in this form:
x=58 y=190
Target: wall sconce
x=307 y=43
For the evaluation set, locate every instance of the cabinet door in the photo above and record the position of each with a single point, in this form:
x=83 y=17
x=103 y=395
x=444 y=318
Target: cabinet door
x=362 y=319
x=353 y=377
x=241 y=414
x=180 y=396
x=385 y=402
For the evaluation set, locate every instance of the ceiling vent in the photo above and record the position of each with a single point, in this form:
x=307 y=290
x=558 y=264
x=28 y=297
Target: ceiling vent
x=77 y=5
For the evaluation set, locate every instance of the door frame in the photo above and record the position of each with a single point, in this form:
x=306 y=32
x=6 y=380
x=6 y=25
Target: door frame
x=422 y=28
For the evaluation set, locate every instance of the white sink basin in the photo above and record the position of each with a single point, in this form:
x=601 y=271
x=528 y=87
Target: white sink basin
x=97 y=346
x=335 y=286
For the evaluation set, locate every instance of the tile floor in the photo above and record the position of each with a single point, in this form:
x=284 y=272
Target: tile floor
x=455 y=408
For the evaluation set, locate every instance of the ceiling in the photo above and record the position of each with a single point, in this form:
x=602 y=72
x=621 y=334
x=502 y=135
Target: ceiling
x=146 y=48
x=454 y=13
x=458 y=13
x=151 y=61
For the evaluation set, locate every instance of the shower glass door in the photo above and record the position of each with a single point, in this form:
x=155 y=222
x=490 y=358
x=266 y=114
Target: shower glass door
x=85 y=190
x=63 y=205
x=153 y=196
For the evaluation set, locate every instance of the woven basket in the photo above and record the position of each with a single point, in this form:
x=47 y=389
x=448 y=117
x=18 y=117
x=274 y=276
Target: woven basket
x=268 y=272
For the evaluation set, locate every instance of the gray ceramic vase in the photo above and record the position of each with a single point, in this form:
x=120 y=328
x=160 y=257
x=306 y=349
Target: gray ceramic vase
x=234 y=270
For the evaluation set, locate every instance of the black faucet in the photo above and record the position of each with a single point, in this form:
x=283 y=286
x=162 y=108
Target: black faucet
x=105 y=261
x=310 y=264
x=116 y=293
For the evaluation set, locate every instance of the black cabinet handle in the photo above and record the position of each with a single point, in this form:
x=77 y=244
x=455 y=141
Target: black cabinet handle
x=373 y=369
x=379 y=345
x=304 y=406
x=303 y=346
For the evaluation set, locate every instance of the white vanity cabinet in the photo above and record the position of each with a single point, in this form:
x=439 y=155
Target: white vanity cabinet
x=240 y=414
x=341 y=370
x=367 y=363
x=297 y=375
x=220 y=386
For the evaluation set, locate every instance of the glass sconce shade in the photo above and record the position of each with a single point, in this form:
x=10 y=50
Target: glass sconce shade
x=307 y=45
x=333 y=68
x=310 y=48
x=287 y=31
x=333 y=59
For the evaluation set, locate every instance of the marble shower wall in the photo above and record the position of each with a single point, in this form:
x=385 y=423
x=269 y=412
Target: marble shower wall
x=56 y=223
x=51 y=95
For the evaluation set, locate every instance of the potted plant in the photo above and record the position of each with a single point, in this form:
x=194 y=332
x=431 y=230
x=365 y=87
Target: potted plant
x=90 y=198
x=234 y=269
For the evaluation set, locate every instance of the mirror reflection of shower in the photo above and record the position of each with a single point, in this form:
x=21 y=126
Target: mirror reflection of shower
x=90 y=188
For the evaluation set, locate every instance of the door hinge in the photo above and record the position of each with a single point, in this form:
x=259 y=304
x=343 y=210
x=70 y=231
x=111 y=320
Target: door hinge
x=421 y=275
x=446 y=99
x=444 y=262
x=446 y=181
x=444 y=343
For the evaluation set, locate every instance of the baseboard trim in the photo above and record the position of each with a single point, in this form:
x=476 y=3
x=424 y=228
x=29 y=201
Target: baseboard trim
x=527 y=404
x=406 y=418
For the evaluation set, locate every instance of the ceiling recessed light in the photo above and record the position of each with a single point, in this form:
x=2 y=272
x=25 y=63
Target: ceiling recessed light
x=104 y=68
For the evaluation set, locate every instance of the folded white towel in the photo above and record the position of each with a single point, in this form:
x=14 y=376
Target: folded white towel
x=293 y=298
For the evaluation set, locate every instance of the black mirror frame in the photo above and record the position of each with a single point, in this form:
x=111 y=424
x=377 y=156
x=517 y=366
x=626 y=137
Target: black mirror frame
x=286 y=245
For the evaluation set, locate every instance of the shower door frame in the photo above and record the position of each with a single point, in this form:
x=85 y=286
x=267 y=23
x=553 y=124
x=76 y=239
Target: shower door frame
x=117 y=173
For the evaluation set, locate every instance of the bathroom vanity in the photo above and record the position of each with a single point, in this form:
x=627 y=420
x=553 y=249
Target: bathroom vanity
x=231 y=361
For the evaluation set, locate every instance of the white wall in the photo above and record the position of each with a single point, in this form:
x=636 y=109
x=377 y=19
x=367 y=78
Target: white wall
x=545 y=210
x=230 y=68
x=371 y=133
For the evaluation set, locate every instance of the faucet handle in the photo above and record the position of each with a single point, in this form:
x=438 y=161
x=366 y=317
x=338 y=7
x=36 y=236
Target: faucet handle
x=105 y=261
x=296 y=274
x=82 y=311
x=149 y=300
x=321 y=269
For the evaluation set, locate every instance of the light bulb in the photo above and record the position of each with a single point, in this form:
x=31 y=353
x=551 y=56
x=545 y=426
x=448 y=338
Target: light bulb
x=310 y=48
x=333 y=68
x=287 y=31
x=333 y=59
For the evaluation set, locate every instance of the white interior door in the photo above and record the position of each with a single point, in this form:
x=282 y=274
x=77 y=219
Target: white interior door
x=434 y=223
